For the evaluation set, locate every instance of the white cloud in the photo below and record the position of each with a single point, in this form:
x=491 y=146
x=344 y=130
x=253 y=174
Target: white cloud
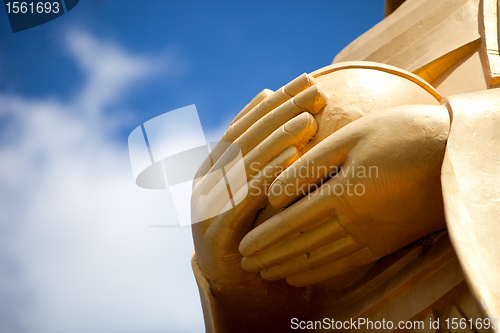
x=76 y=252
x=109 y=70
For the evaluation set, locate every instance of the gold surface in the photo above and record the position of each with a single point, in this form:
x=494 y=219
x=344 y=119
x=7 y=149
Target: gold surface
x=414 y=97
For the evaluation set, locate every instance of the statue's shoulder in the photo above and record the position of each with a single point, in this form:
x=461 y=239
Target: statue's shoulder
x=417 y=33
x=432 y=39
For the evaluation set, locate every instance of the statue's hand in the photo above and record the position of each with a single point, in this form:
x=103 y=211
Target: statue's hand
x=386 y=194
x=269 y=133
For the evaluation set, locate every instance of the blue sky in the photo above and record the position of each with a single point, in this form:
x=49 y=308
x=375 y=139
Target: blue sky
x=223 y=48
x=76 y=250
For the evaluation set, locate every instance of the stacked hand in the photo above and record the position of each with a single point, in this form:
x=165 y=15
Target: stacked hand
x=380 y=191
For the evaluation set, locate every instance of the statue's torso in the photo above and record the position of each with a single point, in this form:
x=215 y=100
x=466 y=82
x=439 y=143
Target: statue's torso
x=451 y=45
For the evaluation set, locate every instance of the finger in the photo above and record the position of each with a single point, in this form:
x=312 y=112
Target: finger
x=275 y=99
x=292 y=221
x=213 y=204
x=297 y=131
x=257 y=183
x=333 y=252
x=231 y=226
x=269 y=103
x=311 y=100
x=319 y=274
x=329 y=231
x=252 y=113
x=321 y=162
x=253 y=103
x=207 y=164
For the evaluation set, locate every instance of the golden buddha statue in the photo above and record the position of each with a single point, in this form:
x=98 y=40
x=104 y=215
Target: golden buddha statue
x=373 y=192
